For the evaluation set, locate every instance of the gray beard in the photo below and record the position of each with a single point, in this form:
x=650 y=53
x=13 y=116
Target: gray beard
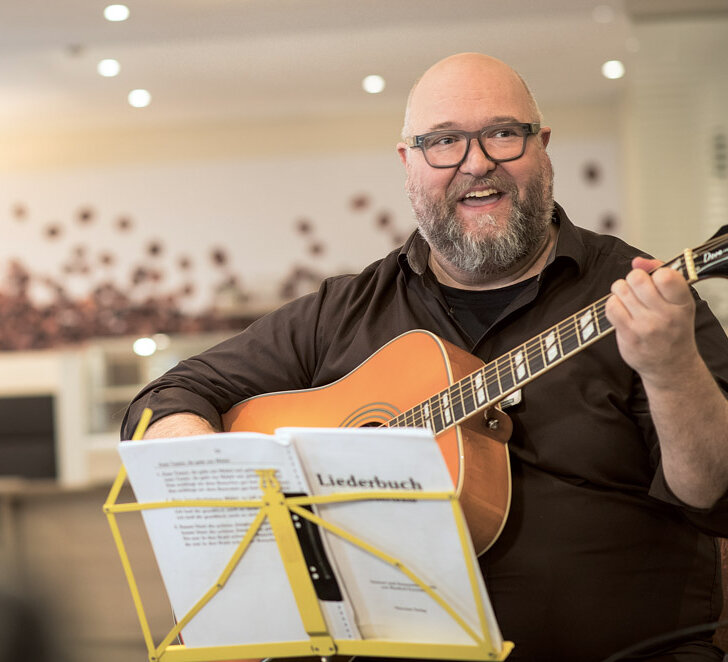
x=526 y=229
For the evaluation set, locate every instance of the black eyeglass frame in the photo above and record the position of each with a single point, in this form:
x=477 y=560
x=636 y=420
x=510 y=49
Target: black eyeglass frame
x=531 y=129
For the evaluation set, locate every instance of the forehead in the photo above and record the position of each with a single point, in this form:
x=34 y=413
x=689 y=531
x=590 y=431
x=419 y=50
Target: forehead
x=468 y=96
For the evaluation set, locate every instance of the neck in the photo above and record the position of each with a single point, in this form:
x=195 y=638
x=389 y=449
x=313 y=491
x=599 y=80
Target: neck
x=531 y=265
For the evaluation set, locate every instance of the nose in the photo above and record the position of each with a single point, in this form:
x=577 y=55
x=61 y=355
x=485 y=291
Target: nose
x=476 y=162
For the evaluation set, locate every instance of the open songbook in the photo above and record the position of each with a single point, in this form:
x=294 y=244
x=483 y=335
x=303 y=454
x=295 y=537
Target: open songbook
x=258 y=536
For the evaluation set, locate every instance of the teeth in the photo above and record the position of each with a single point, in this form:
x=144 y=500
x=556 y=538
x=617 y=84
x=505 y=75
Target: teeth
x=481 y=194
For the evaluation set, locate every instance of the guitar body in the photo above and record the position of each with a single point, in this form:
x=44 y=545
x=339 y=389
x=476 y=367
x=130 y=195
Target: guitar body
x=402 y=374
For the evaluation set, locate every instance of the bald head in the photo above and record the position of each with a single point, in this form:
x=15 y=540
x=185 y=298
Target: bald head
x=466 y=77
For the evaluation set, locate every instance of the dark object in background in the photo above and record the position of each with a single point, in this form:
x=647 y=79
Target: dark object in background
x=27 y=437
x=23 y=636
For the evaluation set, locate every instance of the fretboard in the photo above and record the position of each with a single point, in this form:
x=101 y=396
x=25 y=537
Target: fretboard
x=496 y=380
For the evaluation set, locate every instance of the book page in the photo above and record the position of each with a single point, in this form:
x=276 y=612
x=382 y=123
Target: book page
x=193 y=545
x=421 y=534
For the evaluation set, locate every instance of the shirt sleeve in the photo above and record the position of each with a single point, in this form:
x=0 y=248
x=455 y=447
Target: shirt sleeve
x=713 y=346
x=277 y=352
x=713 y=521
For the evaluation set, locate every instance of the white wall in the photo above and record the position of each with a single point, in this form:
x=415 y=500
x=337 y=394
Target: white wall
x=246 y=198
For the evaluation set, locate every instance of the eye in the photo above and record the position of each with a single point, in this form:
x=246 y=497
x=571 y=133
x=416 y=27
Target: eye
x=504 y=133
x=507 y=132
x=442 y=140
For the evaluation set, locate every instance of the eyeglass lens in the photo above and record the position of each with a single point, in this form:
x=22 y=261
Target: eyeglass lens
x=500 y=143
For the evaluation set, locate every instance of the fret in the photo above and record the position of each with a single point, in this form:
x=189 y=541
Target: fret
x=559 y=339
x=535 y=356
x=425 y=418
x=603 y=323
x=506 y=377
x=551 y=346
x=468 y=396
x=520 y=365
x=586 y=327
x=413 y=417
x=569 y=336
x=456 y=397
x=446 y=407
x=492 y=386
x=436 y=416
x=498 y=385
x=481 y=396
x=426 y=415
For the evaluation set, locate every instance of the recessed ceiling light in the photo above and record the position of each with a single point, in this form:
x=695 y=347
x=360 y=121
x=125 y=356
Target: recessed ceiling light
x=116 y=13
x=612 y=69
x=108 y=68
x=144 y=347
x=139 y=98
x=373 y=84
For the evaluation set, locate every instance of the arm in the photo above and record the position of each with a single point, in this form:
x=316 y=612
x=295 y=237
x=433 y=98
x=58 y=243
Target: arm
x=179 y=425
x=654 y=320
x=274 y=353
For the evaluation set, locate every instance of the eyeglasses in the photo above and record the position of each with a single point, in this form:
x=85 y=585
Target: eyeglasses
x=499 y=142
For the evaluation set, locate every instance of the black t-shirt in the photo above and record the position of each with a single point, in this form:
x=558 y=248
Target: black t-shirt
x=476 y=310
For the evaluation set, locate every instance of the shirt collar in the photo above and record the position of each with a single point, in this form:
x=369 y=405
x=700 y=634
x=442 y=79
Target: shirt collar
x=569 y=245
x=414 y=254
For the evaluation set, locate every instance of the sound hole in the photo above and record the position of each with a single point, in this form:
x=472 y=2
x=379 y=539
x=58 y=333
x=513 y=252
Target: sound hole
x=371 y=424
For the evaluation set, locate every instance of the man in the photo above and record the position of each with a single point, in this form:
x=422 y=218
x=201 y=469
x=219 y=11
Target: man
x=619 y=455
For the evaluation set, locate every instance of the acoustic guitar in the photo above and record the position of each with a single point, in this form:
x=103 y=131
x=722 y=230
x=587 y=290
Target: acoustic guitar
x=443 y=388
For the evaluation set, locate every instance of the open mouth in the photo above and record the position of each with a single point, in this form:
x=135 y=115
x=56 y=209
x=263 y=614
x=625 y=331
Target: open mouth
x=481 y=198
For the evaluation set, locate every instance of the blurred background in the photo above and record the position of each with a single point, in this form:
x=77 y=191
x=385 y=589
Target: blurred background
x=170 y=170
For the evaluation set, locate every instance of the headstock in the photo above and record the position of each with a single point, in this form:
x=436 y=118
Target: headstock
x=711 y=259
x=705 y=261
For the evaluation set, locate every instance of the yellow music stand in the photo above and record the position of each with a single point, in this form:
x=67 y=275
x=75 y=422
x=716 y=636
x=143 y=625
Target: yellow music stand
x=278 y=509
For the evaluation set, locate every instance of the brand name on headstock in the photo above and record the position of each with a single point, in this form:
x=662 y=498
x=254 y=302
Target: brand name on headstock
x=713 y=255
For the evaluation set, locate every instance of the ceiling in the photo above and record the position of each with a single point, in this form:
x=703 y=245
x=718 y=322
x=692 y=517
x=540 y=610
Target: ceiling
x=222 y=60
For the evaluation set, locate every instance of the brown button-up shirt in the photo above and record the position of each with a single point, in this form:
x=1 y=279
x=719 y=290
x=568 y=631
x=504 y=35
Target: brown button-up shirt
x=596 y=554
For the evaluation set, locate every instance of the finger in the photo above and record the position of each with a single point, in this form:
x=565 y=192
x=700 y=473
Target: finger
x=672 y=287
x=623 y=304
x=646 y=264
x=642 y=289
x=616 y=312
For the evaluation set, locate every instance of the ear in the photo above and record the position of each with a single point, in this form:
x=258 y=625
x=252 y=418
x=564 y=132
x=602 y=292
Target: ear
x=545 y=135
x=402 y=151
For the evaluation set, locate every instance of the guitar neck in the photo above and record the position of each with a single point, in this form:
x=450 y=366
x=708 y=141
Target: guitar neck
x=493 y=382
